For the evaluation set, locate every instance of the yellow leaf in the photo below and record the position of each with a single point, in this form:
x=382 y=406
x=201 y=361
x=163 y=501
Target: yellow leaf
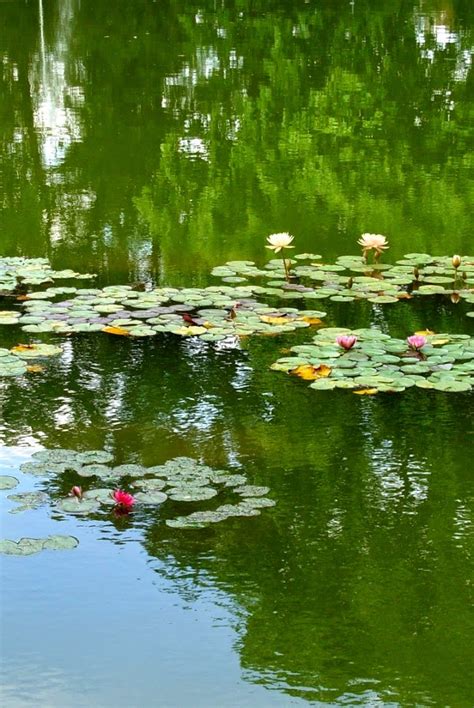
x=308 y=372
x=366 y=391
x=116 y=330
x=311 y=320
x=439 y=342
x=268 y=319
x=35 y=368
x=425 y=333
x=23 y=348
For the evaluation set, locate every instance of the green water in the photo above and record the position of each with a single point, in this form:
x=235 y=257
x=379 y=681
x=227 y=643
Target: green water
x=150 y=141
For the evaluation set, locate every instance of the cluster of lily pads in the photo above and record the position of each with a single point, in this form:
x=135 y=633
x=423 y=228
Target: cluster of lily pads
x=14 y=362
x=32 y=271
x=28 y=546
x=378 y=362
x=180 y=480
x=351 y=278
x=212 y=313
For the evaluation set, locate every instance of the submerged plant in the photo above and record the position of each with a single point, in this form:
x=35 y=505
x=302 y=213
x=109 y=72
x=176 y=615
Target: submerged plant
x=373 y=242
x=277 y=242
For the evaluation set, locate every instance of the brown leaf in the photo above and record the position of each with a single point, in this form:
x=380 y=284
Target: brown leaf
x=308 y=372
x=117 y=330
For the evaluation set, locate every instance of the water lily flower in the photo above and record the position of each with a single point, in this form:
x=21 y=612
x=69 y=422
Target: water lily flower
x=123 y=499
x=373 y=242
x=346 y=341
x=76 y=492
x=278 y=241
x=416 y=342
x=456 y=261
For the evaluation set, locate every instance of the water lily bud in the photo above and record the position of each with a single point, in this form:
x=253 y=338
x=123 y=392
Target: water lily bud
x=346 y=341
x=76 y=492
x=416 y=272
x=455 y=297
x=456 y=261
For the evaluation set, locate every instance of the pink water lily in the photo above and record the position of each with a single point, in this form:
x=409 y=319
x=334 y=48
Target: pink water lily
x=416 y=342
x=346 y=341
x=123 y=499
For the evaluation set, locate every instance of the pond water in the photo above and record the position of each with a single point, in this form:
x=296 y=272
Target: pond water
x=149 y=142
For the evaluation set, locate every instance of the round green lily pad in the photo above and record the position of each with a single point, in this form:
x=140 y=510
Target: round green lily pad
x=151 y=497
x=191 y=494
x=7 y=482
x=73 y=505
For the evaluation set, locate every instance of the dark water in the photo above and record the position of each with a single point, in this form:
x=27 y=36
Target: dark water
x=152 y=141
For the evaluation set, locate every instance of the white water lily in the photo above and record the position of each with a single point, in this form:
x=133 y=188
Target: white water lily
x=278 y=241
x=373 y=242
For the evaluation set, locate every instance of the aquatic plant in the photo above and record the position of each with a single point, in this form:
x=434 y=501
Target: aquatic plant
x=76 y=491
x=381 y=363
x=185 y=481
x=416 y=342
x=346 y=341
x=277 y=242
x=373 y=242
x=124 y=500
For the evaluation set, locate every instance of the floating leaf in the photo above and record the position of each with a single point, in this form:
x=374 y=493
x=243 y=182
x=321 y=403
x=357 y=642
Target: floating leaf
x=312 y=320
x=60 y=543
x=151 y=497
x=27 y=501
x=310 y=372
x=7 y=482
x=366 y=391
x=120 y=331
x=190 y=494
x=251 y=490
x=73 y=505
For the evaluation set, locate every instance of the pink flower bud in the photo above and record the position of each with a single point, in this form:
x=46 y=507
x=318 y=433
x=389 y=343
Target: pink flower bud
x=346 y=341
x=76 y=492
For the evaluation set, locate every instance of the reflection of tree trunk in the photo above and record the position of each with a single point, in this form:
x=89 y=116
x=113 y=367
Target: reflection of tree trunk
x=39 y=177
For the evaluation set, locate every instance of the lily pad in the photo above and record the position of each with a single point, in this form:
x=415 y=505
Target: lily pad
x=151 y=497
x=191 y=494
x=73 y=505
x=250 y=490
x=7 y=482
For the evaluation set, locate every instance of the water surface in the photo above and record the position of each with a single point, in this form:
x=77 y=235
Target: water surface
x=150 y=141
